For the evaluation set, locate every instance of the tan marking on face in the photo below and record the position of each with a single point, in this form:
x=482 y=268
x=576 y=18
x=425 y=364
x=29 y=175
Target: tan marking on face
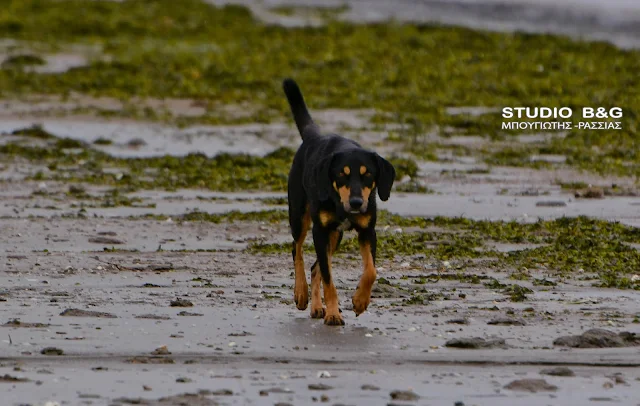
x=344 y=192
x=363 y=220
x=365 y=193
x=363 y=170
x=335 y=187
x=346 y=170
x=326 y=217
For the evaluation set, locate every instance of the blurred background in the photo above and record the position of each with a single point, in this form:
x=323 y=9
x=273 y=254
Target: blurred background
x=113 y=108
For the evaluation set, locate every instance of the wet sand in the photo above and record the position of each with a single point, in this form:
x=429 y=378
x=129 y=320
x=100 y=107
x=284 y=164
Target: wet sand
x=243 y=342
x=111 y=336
x=243 y=334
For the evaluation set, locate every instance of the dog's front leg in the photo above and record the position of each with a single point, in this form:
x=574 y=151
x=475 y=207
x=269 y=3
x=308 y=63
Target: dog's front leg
x=322 y=241
x=301 y=289
x=362 y=297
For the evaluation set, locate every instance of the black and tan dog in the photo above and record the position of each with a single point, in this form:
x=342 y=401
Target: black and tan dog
x=332 y=183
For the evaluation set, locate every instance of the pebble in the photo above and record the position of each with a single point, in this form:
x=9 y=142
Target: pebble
x=531 y=385
x=558 y=371
x=319 y=386
x=404 y=395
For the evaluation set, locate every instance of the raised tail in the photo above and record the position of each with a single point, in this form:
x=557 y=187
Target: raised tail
x=298 y=107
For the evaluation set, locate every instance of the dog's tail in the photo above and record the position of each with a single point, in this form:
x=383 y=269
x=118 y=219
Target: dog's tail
x=298 y=107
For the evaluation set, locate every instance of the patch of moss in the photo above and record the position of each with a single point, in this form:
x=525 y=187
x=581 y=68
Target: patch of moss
x=327 y=13
x=572 y=245
x=35 y=131
x=517 y=293
x=573 y=185
x=20 y=61
x=269 y=216
x=412 y=187
x=102 y=141
x=404 y=167
x=224 y=172
x=274 y=201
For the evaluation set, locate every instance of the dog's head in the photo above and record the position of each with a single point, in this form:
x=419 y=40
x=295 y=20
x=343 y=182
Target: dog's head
x=350 y=178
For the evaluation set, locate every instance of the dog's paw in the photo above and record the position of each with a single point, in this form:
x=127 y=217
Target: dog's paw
x=317 y=313
x=333 y=320
x=301 y=298
x=360 y=301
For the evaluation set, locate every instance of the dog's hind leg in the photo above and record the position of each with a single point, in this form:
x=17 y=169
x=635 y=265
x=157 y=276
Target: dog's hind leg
x=362 y=296
x=300 y=223
x=317 y=310
x=324 y=241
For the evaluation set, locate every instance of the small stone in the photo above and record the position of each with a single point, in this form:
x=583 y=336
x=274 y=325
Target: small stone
x=183 y=380
x=475 y=343
x=558 y=371
x=458 y=321
x=405 y=395
x=162 y=350
x=505 y=321
x=105 y=240
x=51 y=351
x=319 y=386
x=590 y=193
x=599 y=338
x=324 y=374
x=551 y=203
x=222 y=392
x=369 y=387
x=266 y=392
x=531 y=385
x=618 y=379
x=181 y=303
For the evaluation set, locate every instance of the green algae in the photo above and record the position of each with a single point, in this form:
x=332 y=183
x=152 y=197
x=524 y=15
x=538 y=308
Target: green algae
x=572 y=246
x=224 y=172
x=71 y=160
x=21 y=61
x=409 y=73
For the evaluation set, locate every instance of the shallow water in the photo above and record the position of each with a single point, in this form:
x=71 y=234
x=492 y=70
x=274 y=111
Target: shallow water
x=616 y=21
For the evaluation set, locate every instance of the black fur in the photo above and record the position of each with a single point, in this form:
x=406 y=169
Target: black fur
x=316 y=172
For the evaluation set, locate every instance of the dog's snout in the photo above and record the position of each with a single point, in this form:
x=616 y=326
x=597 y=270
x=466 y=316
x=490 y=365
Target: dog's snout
x=355 y=202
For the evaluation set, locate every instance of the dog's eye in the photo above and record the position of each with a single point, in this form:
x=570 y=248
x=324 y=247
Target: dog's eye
x=368 y=174
x=342 y=174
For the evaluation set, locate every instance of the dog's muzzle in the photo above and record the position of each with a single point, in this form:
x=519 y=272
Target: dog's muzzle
x=356 y=205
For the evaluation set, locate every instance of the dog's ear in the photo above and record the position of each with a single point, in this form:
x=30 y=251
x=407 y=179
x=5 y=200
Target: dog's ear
x=323 y=180
x=386 y=176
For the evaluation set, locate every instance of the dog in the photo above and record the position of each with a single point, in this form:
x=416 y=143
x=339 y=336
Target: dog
x=332 y=184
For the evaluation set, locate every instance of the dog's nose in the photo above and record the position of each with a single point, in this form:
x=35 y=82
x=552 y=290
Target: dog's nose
x=355 y=202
